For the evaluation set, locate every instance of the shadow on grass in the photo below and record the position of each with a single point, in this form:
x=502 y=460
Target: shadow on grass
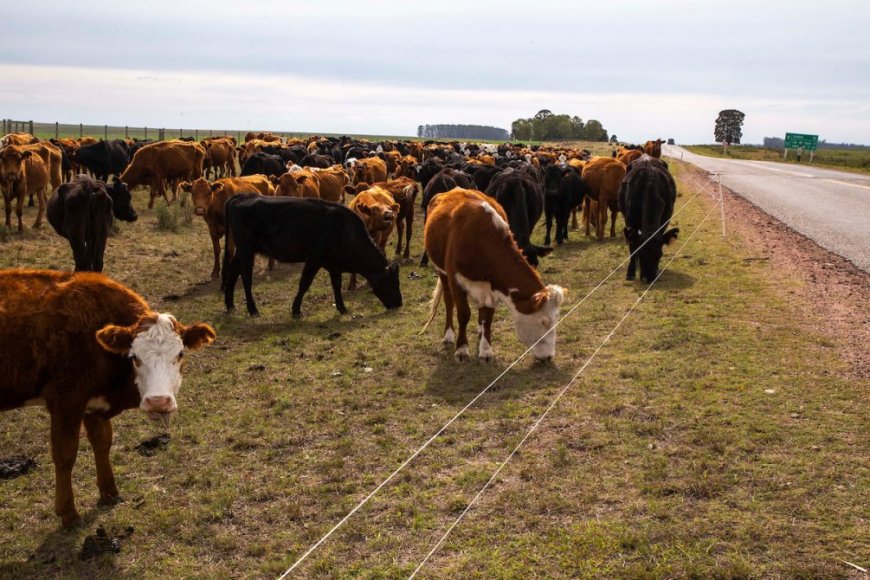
x=459 y=382
x=58 y=555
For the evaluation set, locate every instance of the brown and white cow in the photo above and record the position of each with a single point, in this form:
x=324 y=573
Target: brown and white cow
x=468 y=240
x=209 y=199
x=22 y=173
x=86 y=350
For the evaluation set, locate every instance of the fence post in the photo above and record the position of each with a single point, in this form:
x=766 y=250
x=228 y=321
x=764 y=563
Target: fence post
x=30 y=125
x=180 y=133
x=196 y=134
x=146 y=132
x=126 y=132
x=80 y=130
x=105 y=132
x=56 y=130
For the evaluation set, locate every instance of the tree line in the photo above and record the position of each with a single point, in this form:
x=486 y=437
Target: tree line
x=446 y=131
x=547 y=126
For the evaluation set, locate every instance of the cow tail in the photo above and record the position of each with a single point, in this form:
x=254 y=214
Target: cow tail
x=433 y=304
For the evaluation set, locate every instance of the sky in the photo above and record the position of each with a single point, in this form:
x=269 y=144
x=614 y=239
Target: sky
x=644 y=69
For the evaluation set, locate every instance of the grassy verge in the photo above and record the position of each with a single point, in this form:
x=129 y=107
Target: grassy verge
x=857 y=161
x=716 y=435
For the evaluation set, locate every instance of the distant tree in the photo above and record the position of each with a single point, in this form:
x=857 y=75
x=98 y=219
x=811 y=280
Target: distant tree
x=445 y=131
x=613 y=139
x=543 y=114
x=729 y=127
x=547 y=126
x=595 y=131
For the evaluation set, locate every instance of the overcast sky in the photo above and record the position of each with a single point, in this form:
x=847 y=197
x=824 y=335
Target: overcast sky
x=648 y=69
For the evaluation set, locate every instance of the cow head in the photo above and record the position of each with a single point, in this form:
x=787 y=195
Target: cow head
x=377 y=214
x=155 y=345
x=650 y=255
x=12 y=160
x=200 y=194
x=534 y=317
x=122 y=202
x=385 y=285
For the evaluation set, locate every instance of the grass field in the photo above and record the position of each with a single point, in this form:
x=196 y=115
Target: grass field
x=716 y=435
x=847 y=159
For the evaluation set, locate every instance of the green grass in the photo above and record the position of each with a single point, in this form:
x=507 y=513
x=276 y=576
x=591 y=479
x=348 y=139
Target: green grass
x=668 y=458
x=847 y=159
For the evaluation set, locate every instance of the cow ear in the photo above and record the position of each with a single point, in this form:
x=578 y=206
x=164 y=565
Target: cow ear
x=197 y=336
x=274 y=179
x=185 y=186
x=25 y=154
x=556 y=294
x=670 y=235
x=115 y=339
x=216 y=187
x=349 y=190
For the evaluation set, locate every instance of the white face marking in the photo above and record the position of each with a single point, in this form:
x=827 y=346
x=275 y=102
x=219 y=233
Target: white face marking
x=97 y=404
x=448 y=337
x=158 y=372
x=531 y=327
x=500 y=224
x=485 y=350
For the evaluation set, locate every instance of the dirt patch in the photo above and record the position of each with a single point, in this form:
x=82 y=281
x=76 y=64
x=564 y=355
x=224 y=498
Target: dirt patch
x=151 y=446
x=16 y=466
x=102 y=543
x=833 y=294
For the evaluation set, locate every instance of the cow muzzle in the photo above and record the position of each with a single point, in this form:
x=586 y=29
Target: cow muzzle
x=159 y=405
x=200 y=211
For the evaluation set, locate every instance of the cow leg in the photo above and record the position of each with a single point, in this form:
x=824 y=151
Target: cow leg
x=40 y=197
x=351 y=284
x=601 y=222
x=449 y=335
x=335 y=278
x=613 y=214
x=216 y=246
x=632 y=260
x=100 y=435
x=484 y=350
x=463 y=316
x=548 y=221
x=230 y=277
x=246 y=261
x=19 y=209
x=7 y=204
x=410 y=224
x=308 y=272
x=80 y=254
x=400 y=230
x=64 y=448
x=574 y=225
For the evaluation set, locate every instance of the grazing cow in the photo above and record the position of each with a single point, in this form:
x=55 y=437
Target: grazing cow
x=104 y=158
x=474 y=252
x=164 y=161
x=523 y=201
x=646 y=199
x=653 y=148
x=82 y=212
x=321 y=234
x=87 y=349
x=369 y=170
x=263 y=164
x=68 y=147
x=603 y=175
x=22 y=173
x=564 y=191
x=209 y=199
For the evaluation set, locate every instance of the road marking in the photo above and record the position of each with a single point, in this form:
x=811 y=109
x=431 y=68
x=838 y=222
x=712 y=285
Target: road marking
x=848 y=183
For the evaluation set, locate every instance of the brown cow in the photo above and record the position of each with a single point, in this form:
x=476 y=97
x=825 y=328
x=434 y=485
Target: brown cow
x=378 y=211
x=22 y=173
x=69 y=147
x=87 y=349
x=18 y=139
x=468 y=240
x=333 y=183
x=653 y=148
x=626 y=156
x=52 y=156
x=370 y=170
x=404 y=191
x=209 y=199
x=297 y=184
x=603 y=175
x=220 y=156
x=163 y=161
x=407 y=167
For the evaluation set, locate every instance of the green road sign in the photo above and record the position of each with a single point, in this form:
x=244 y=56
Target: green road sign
x=799 y=141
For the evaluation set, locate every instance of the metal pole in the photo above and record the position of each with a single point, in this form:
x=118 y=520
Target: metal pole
x=812 y=151
x=721 y=202
x=785 y=155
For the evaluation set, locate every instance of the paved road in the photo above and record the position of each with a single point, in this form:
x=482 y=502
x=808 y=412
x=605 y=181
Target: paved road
x=830 y=207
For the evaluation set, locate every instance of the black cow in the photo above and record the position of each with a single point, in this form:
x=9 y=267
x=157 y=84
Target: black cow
x=292 y=154
x=427 y=170
x=523 y=202
x=646 y=199
x=81 y=211
x=264 y=164
x=104 y=158
x=564 y=190
x=482 y=174
x=322 y=234
x=315 y=160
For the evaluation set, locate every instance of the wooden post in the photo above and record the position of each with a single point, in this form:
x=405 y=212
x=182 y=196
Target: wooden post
x=105 y=132
x=180 y=133
x=146 y=131
x=126 y=132
x=30 y=125
x=81 y=130
x=56 y=127
x=196 y=134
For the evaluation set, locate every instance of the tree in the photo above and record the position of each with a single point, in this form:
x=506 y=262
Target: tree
x=543 y=114
x=728 y=128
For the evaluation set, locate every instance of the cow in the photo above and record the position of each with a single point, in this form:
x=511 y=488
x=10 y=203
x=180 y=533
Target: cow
x=68 y=147
x=470 y=243
x=22 y=173
x=404 y=191
x=18 y=139
x=82 y=212
x=646 y=199
x=653 y=148
x=315 y=160
x=164 y=161
x=220 y=156
x=444 y=180
x=369 y=170
x=378 y=210
x=322 y=234
x=603 y=175
x=87 y=349
x=523 y=200
x=333 y=183
x=626 y=156
x=209 y=199
x=103 y=158
x=297 y=184
x=263 y=164
x=564 y=191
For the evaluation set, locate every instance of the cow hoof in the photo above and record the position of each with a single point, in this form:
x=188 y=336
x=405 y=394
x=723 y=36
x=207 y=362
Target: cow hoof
x=486 y=358
x=109 y=500
x=70 y=519
x=297 y=315
x=629 y=277
x=254 y=314
x=461 y=354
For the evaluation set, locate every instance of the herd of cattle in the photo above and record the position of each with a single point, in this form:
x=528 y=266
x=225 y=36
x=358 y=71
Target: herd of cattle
x=90 y=348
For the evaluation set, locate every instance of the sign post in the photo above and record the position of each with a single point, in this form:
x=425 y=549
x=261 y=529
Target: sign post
x=800 y=142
